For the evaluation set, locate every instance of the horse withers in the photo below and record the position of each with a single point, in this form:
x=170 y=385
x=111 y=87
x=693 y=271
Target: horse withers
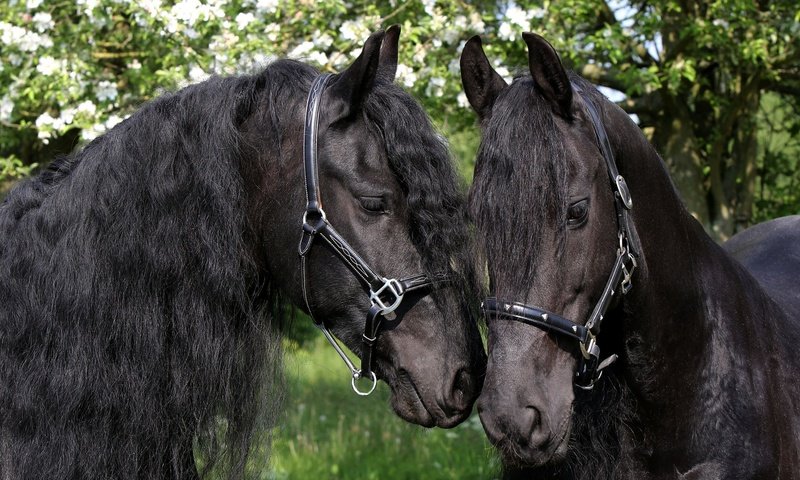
x=692 y=374
x=143 y=278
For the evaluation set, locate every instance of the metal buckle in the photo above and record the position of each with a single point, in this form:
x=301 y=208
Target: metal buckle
x=395 y=288
x=591 y=349
x=624 y=193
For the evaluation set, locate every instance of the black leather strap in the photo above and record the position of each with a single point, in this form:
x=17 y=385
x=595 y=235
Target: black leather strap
x=538 y=317
x=313 y=198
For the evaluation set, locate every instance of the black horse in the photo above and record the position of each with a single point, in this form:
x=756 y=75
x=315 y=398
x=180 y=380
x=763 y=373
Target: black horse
x=142 y=278
x=581 y=226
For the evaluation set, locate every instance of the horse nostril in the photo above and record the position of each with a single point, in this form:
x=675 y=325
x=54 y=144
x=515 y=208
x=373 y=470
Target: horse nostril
x=538 y=434
x=463 y=392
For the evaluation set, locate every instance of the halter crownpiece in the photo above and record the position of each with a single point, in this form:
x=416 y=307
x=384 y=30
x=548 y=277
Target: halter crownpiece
x=590 y=368
x=385 y=294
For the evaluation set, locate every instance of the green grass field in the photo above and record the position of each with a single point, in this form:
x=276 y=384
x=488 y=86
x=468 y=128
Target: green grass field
x=329 y=432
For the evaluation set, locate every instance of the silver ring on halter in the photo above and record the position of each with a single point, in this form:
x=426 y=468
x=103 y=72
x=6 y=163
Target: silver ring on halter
x=356 y=376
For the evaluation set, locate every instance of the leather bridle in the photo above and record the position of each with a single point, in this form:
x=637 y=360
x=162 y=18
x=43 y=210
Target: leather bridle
x=590 y=367
x=385 y=294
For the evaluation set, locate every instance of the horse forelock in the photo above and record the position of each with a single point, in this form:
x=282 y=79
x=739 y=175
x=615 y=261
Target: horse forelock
x=419 y=158
x=156 y=333
x=520 y=184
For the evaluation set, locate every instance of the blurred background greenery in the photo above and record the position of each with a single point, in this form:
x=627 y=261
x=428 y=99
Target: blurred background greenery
x=715 y=85
x=329 y=432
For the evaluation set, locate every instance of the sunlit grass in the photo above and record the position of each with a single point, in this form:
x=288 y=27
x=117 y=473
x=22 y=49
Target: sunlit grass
x=329 y=432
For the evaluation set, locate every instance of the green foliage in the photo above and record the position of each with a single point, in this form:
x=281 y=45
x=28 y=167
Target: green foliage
x=85 y=64
x=329 y=432
x=74 y=68
x=778 y=191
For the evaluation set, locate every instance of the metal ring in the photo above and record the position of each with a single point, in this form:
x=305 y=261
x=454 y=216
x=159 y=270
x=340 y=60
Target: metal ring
x=321 y=213
x=356 y=376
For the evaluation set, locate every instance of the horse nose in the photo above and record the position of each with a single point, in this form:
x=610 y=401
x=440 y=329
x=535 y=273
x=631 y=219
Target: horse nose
x=524 y=427
x=457 y=399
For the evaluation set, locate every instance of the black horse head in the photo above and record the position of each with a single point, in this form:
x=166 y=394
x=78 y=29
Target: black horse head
x=142 y=278
x=547 y=225
x=388 y=187
x=703 y=349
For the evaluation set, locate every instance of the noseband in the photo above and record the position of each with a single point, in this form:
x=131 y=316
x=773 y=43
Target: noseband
x=385 y=294
x=590 y=368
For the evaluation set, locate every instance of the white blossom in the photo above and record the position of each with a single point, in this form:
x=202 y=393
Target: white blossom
x=6 y=108
x=105 y=90
x=323 y=41
x=88 y=6
x=33 y=4
x=86 y=107
x=152 y=7
x=267 y=6
x=43 y=21
x=67 y=116
x=318 y=58
x=48 y=65
x=244 y=19
x=197 y=74
x=353 y=31
x=406 y=75
x=272 y=31
x=462 y=100
x=429 y=5
x=518 y=16
x=135 y=64
x=112 y=121
x=435 y=87
x=301 y=50
x=506 y=32
x=23 y=39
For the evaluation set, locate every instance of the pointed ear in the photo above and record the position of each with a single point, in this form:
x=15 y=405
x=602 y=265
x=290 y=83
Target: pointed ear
x=481 y=83
x=549 y=74
x=348 y=89
x=387 y=63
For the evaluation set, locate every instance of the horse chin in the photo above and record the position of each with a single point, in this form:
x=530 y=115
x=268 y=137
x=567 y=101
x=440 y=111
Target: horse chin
x=411 y=406
x=525 y=455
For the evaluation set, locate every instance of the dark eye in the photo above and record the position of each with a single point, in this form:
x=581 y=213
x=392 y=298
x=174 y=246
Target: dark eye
x=373 y=204
x=577 y=213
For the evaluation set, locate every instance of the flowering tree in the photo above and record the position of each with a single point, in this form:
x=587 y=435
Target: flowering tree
x=71 y=70
x=696 y=74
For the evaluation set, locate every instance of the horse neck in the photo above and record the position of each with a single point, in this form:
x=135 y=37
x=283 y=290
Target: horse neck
x=691 y=302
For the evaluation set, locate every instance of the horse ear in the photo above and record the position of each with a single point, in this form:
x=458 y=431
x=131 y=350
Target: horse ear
x=481 y=83
x=387 y=62
x=348 y=89
x=549 y=74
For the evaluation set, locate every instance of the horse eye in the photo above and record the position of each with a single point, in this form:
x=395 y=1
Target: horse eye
x=577 y=213
x=373 y=204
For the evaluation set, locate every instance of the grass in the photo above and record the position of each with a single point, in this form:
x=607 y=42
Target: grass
x=329 y=432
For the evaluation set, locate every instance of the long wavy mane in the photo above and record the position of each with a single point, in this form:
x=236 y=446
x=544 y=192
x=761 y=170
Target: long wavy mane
x=135 y=327
x=420 y=160
x=136 y=331
x=518 y=121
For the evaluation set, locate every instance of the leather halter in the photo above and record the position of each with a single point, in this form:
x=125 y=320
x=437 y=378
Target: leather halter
x=385 y=294
x=590 y=368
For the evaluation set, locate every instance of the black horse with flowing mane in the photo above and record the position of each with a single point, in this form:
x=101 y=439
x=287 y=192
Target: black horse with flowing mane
x=143 y=278
x=581 y=226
